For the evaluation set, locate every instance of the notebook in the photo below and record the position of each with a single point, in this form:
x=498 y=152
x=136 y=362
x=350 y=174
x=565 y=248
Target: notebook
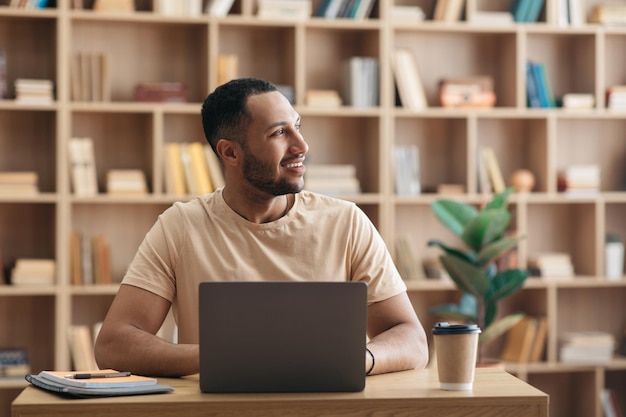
x=282 y=336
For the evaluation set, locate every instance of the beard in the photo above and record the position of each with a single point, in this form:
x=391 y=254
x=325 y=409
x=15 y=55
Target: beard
x=260 y=175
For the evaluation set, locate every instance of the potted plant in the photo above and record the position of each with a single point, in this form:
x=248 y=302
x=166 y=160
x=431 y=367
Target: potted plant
x=474 y=269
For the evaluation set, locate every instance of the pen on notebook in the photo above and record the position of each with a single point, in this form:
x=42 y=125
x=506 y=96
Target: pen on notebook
x=97 y=375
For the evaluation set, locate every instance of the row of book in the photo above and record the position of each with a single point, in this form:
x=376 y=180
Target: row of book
x=448 y=10
x=90 y=79
x=526 y=341
x=28 y=4
x=351 y=9
x=538 y=86
x=90 y=258
x=526 y=10
x=191 y=169
x=361 y=81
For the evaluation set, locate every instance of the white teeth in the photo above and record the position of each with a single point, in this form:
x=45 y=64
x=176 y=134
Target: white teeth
x=294 y=165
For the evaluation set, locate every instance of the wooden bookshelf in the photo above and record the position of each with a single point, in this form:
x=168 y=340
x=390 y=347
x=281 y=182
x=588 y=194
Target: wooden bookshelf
x=145 y=46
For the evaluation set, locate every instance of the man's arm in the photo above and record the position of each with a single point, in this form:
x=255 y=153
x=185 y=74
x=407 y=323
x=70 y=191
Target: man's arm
x=397 y=338
x=127 y=340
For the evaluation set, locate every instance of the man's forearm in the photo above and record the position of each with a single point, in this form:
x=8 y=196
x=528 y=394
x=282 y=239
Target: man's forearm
x=399 y=348
x=142 y=353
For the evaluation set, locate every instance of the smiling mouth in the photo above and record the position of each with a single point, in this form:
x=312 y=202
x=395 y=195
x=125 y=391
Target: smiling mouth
x=298 y=164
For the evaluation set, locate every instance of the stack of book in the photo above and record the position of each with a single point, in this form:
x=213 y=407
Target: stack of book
x=284 y=9
x=28 y=91
x=551 y=265
x=178 y=7
x=19 y=182
x=14 y=363
x=126 y=182
x=332 y=179
x=587 y=347
x=616 y=97
x=323 y=98
x=580 y=180
x=29 y=271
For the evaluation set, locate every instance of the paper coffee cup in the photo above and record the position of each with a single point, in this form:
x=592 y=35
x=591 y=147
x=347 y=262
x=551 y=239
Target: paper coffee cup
x=456 y=347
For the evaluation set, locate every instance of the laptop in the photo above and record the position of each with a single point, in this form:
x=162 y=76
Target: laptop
x=282 y=336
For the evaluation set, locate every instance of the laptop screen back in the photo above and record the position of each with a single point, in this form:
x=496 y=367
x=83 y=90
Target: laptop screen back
x=282 y=336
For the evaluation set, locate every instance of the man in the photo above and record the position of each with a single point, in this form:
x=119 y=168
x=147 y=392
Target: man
x=260 y=226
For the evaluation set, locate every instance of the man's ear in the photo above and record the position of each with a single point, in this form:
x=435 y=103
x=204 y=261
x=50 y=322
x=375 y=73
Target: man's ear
x=229 y=151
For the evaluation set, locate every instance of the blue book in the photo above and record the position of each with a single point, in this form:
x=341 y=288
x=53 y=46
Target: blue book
x=544 y=88
x=534 y=10
x=532 y=90
x=519 y=9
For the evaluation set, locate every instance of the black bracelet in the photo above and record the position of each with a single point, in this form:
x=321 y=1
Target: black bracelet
x=373 y=361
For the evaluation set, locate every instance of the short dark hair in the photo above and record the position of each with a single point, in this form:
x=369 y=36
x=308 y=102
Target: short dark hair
x=224 y=111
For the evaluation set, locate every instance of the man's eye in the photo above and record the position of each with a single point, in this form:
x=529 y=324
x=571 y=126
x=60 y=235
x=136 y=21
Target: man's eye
x=297 y=127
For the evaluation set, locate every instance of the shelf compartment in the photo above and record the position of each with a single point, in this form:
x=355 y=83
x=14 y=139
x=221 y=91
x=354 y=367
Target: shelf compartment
x=29 y=322
x=121 y=141
x=569 y=60
x=563 y=387
x=333 y=140
x=518 y=143
x=263 y=51
x=329 y=49
x=162 y=52
x=27 y=231
x=444 y=54
x=30 y=47
x=442 y=144
x=33 y=148
x=564 y=226
x=582 y=140
x=123 y=225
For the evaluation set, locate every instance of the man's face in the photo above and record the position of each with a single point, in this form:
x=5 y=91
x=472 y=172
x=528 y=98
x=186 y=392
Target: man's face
x=273 y=152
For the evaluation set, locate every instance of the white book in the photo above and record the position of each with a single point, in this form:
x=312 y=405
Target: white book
x=410 y=87
x=219 y=8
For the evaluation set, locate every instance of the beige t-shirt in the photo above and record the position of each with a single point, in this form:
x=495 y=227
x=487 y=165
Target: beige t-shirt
x=320 y=239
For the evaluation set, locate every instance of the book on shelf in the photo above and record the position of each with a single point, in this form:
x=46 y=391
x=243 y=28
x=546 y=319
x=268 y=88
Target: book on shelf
x=19 y=182
x=126 y=182
x=490 y=18
x=406 y=166
x=90 y=259
x=361 y=81
x=33 y=271
x=14 y=362
x=610 y=404
x=125 y=380
x=539 y=341
x=215 y=166
x=89 y=76
x=608 y=14
x=81 y=343
x=551 y=265
x=408 y=259
x=527 y=10
x=175 y=182
x=33 y=91
x=538 y=86
x=448 y=10
x=28 y=4
x=218 y=8
x=227 y=68
x=408 y=81
x=284 y=9
x=178 y=7
x=519 y=341
x=493 y=169
x=199 y=167
x=161 y=92
x=587 y=347
x=404 y=12
x=82 y=161
x=323 y=98
x=616 y=97
x=332 y=179
x=580 y=180
x=115 y=6
x=578 y=101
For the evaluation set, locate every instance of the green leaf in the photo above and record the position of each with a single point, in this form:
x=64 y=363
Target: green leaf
x=453 y=214
x=467 y=277
x=487 y=226
x=491 y=311
x=506 y=283
x=499 y=327
x=495 y=249
x=500 y=200
x=468 y=256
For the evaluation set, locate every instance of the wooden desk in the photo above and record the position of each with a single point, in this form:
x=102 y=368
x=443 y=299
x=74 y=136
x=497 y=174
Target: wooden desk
x=414 y=393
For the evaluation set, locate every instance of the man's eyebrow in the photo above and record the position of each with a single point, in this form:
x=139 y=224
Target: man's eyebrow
x=281 y=123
